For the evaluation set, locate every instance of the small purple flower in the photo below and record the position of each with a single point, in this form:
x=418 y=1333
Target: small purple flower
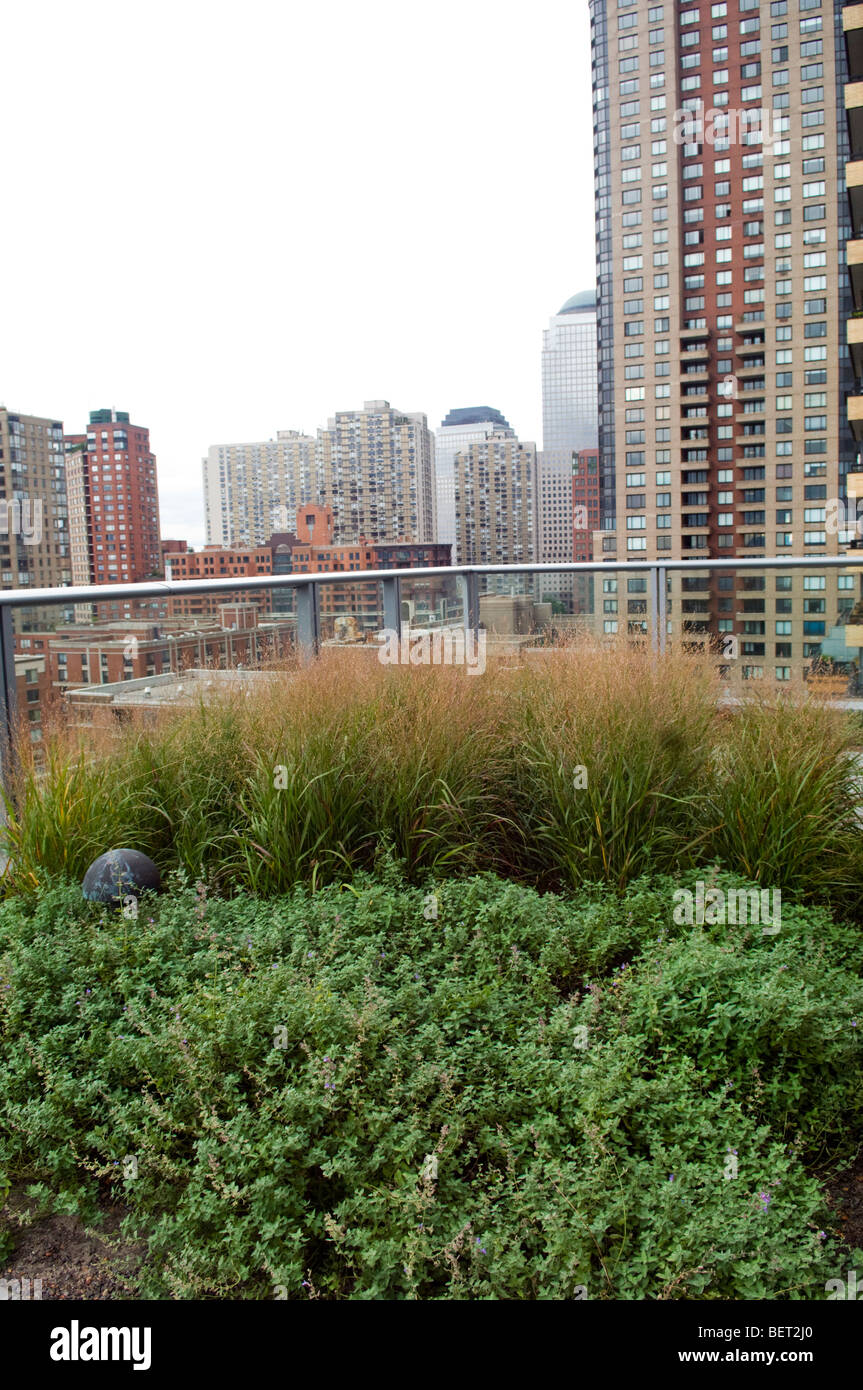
x=671 y=1177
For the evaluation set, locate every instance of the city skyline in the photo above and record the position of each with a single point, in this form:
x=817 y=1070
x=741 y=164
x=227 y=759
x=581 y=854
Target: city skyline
x=245 y=312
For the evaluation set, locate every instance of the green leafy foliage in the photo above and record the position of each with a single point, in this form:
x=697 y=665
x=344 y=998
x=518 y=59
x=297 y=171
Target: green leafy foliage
x=366 y=1092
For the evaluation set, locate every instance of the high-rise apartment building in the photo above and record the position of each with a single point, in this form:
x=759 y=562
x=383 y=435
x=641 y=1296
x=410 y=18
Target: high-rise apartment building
x=721 y=219
x=495 y=491
x=114 y=516
x=570 y=405
x=852 y=25
x=374 y=467
x=34 y=519
x=252 y=490
x=460 y=428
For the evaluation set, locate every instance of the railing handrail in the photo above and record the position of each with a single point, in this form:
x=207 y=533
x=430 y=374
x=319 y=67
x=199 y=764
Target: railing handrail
x=103 y=593
x=306 y=584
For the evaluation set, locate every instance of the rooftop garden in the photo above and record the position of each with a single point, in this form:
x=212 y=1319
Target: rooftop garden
x=540 y=984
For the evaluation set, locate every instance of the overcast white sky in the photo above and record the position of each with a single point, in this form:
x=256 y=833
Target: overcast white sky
x=230 y=219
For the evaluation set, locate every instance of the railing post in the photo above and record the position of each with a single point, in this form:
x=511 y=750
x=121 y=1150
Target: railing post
x=392 y=604
x=469 y=583
x=308 y=630
x=8 y=699
x=654 y=607
x=662 y=598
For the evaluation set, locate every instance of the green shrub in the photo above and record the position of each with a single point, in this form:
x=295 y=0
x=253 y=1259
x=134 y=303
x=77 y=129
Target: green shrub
x=283 y=1072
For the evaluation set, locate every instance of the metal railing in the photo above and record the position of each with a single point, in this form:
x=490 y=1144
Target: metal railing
x=308 y=586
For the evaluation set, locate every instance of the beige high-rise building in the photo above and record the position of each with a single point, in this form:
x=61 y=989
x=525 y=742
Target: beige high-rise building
x=376 y=471
x=495 y=499
x=34 y=517
x=374 y=467
x=253 y=490
x=721 y=222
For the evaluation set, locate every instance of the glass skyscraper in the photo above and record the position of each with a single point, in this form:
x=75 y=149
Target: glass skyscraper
x=569 y=422
x=569 y=377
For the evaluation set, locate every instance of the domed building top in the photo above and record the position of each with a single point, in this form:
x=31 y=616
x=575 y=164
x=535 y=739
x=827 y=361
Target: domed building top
x=475 y=415
x=585 y=300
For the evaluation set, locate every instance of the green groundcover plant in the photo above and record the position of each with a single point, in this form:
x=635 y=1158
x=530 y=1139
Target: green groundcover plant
x=463 y=1090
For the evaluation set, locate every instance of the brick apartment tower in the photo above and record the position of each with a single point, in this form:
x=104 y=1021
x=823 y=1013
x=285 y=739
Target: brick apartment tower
x=720 y=142
x=113 y=504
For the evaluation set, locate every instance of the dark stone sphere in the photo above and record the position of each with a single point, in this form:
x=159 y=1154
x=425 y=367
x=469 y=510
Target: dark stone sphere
x=119 y=874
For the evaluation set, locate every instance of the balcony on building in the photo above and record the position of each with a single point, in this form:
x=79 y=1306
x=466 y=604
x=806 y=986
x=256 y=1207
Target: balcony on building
x=748 y=350
x=855 y=345
x=852 y=25
x=854 y=254
x=854 y=479
x=854 y=184
x=855 y=417
x=854 y=116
